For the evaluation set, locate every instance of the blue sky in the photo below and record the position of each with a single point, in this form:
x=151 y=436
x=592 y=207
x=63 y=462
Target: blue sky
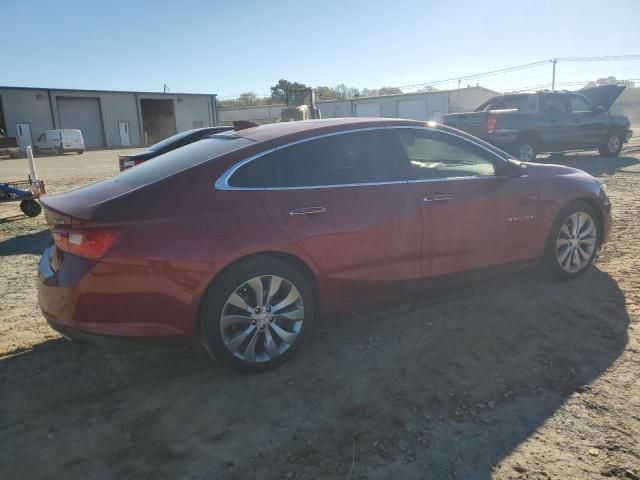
x=231 y=47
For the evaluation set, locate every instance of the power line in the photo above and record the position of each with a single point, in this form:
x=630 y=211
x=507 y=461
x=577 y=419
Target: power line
x=500 y=71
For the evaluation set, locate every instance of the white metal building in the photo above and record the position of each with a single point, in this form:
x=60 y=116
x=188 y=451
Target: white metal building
x=417 y=106
x=107 y=119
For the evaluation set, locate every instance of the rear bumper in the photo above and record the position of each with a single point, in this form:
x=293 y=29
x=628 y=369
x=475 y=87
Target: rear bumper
x=84 y=297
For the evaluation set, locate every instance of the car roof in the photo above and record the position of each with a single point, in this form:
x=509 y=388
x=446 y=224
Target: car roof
x=307 y=128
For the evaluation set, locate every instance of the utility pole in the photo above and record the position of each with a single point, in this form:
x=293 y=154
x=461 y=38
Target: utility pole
x=553 y=77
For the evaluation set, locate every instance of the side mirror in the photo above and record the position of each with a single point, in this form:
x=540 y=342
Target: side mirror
x=515 y=169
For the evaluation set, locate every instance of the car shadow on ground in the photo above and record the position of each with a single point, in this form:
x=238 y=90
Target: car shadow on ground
x=595 y=165
x=32 y=243
x=443 y=389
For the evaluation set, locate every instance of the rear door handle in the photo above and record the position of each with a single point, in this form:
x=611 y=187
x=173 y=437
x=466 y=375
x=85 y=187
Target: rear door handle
x=437 y=198
x=307 y=211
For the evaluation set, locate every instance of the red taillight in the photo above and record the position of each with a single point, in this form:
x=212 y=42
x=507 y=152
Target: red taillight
x=137 y=162
x=91 y=243
x=491 y=123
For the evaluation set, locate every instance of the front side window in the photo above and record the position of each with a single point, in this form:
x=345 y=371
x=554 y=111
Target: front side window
x=432 y=155
x=579 y=104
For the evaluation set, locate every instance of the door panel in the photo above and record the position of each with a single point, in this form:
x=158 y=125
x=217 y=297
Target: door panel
x=477 y=222
x=366 y=238
x=125 y=139
x=557 y=129
x=471 y=217
x=590 y=126
x=24 y=135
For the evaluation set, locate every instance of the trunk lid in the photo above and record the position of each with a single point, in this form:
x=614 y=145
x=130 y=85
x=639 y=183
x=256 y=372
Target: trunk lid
x=81 y=203
x=602 y=95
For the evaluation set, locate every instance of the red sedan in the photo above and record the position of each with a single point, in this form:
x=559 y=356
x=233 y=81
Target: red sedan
x=241 y=237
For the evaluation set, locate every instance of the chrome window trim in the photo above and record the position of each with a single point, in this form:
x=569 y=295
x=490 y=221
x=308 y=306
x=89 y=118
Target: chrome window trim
x=223 y=182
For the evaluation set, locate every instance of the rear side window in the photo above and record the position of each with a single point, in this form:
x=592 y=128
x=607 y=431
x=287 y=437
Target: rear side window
x=343 y=159
x=358 y=157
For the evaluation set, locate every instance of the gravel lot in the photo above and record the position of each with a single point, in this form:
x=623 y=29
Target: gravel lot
x=511 y=377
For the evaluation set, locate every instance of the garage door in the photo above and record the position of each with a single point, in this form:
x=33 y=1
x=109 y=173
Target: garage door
x=367 y=109
x=84 y=114
x=413 y=109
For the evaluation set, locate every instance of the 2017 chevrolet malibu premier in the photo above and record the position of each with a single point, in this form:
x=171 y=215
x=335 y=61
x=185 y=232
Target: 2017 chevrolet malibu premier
x=239 y=238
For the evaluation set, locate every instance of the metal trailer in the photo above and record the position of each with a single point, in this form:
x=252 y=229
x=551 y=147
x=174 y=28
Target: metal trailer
x=24 y=191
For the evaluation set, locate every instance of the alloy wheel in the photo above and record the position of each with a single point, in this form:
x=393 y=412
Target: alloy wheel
x=262 y=318
x=576 y=242
x=613 y=144
x=525 y=153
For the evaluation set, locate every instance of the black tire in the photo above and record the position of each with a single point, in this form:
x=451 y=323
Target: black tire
x=526 y=149
x=215 y=301
x=36 y=150
x=80 y=152
x=59 y=150
x=612 y=145
x=30 y=208
x=553 y=253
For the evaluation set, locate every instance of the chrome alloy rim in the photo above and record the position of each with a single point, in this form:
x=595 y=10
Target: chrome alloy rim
x=526 y=152
x=576 y=242
x=262 y=318
x=614 y=143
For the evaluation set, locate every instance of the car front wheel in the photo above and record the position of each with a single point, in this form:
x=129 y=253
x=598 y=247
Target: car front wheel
x=256 y=315
x=573 y=242
x=612 y=145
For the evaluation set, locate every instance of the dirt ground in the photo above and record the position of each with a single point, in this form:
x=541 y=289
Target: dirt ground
x=518 y=377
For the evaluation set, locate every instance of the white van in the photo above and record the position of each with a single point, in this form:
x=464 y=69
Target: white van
x=60 y=141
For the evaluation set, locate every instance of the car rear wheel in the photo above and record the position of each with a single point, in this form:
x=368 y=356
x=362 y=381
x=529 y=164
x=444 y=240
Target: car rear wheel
x=612 y=145
x=30 y=208
x=525 y=150
x=256 y=315
x=574 y=241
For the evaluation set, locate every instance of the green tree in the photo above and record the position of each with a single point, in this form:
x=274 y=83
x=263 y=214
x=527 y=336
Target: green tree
x=248 y=99
x=325 y=93
x=279 y=90
x=389 y=91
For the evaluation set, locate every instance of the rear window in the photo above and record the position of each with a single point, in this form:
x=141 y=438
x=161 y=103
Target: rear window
x=180 y=159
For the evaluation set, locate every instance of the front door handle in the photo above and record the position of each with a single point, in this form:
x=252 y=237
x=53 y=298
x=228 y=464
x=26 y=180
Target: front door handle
x=437 y=198
x=307 y=211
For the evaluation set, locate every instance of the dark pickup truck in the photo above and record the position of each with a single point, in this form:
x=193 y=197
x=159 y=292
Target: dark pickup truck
x=549 y=121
